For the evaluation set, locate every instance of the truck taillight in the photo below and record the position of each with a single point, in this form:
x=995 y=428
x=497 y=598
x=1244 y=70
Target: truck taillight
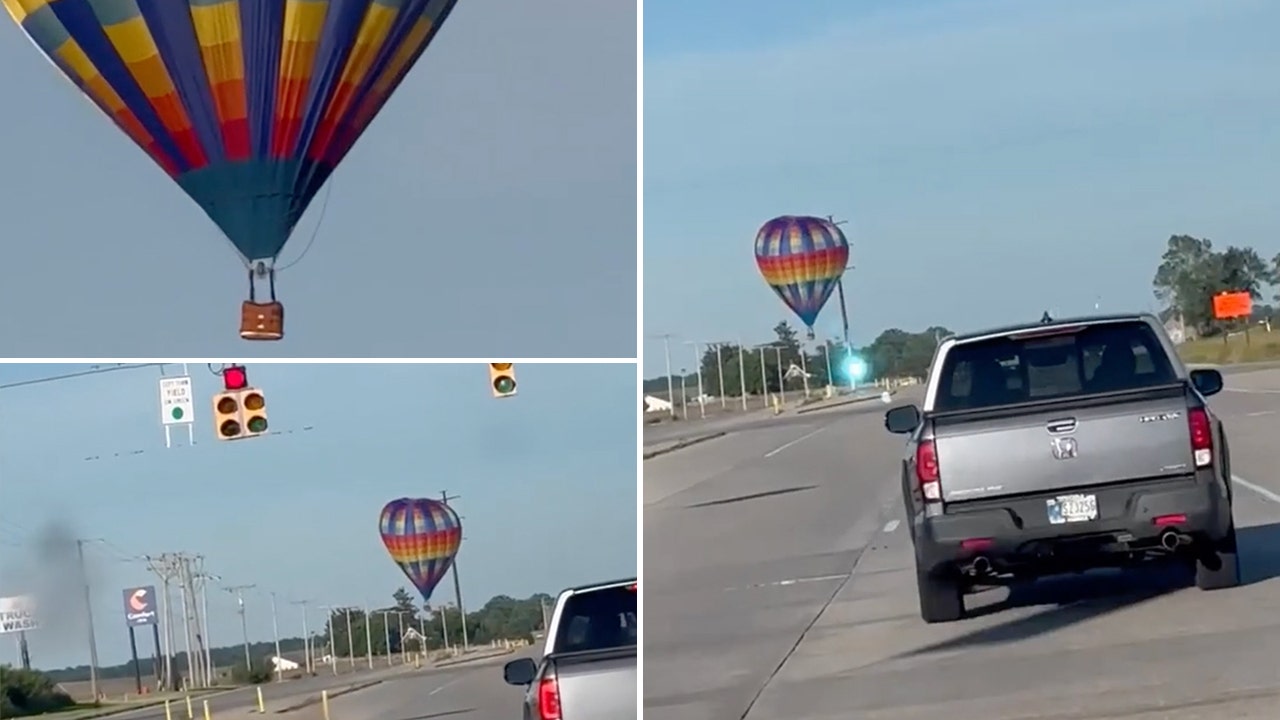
x=927 y=470
x=1201 y=436
x=549 y=699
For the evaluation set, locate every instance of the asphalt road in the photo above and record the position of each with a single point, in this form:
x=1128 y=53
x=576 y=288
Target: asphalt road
x=474 y=691
x=779 y=583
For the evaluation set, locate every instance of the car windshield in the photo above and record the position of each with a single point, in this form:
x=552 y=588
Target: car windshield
x=598 y=620
x=1051 y=364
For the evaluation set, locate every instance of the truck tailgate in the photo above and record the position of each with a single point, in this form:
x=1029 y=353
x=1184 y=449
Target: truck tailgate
x=599 y=687
x=1092 y=441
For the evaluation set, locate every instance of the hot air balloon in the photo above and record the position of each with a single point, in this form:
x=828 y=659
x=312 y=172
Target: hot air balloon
x=802 y=258
x=423 y=536
x=248 y=105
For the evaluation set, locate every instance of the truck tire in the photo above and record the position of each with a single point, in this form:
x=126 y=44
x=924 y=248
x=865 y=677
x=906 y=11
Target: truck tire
x=941 y=597
x=1223 y=569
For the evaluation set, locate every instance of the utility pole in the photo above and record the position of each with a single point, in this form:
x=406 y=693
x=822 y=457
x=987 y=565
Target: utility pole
x=275 y=633
x=457 y=584
x=720 y=374
x=368 y=636
x=351 y=648
x=88 y=614
x=844 y=312
x=189 y=642
x=697 y=359
x=306 y=634
x=204 y=578
x=742 y=373
x=671 y=388
x=238 y=591
x=162 y=567
x=333 y=637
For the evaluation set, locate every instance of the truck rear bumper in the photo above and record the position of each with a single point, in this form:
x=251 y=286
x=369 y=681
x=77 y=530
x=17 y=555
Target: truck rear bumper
x=1014 y=533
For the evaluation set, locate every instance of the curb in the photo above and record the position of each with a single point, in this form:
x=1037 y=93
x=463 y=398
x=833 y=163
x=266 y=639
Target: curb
x=839 y=403
x=464 y=661
x=109 y=711
x=682 y=444
x=316 y=699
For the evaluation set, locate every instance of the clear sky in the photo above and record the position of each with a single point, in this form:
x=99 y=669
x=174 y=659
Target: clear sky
x=547 y=486
x=490 y=210
x=994 y=157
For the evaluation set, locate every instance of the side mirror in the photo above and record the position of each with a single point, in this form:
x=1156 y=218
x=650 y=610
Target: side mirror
x=520 y=672
x=1207 y=381
x=902 y=419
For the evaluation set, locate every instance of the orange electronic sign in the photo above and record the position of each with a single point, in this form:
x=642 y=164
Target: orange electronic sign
x=1232 y=305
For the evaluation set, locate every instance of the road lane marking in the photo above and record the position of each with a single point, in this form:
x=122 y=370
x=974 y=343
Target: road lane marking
x=892 y=525
x=433 y=692
x=792 y=581
x=802 y=438
x=1260 y=413
x=1263 y=391
x=1272 y=496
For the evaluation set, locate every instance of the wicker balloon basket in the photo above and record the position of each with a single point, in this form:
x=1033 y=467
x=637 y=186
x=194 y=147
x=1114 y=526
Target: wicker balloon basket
x=261 y=321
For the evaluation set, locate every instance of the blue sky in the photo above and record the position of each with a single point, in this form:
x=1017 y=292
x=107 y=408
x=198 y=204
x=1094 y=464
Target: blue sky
x=488 y=211
x=994 y=157
x=547 y=483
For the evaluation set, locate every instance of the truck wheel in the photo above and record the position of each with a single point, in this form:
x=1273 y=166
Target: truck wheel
x=1220 y=569
x=941 y=597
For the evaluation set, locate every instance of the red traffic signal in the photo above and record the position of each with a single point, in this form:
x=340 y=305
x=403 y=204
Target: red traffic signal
x=234 y=377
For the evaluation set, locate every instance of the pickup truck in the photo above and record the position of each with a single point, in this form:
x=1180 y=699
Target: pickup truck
x=1061 y=446
x=588 y=666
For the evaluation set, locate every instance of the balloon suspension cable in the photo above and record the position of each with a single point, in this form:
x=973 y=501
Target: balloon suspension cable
x=315 y=231
x=260 y=269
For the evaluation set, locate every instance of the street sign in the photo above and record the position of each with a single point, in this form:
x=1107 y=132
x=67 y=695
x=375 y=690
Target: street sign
x=176 y=406
x=18 y=614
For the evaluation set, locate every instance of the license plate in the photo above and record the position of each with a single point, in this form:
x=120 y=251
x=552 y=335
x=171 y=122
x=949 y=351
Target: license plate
x=1072 y=508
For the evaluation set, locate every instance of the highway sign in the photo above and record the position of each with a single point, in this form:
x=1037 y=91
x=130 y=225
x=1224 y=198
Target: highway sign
x=140 y=605
x=176 y=406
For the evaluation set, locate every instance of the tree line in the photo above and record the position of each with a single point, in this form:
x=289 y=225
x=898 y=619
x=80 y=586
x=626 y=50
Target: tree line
x=1192 y=272
x=894 y=353
x=502 y=618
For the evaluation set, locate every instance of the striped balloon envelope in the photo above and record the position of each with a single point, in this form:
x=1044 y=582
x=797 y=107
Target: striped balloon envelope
x=423 y=537
x=802 y=258
x=248 y=105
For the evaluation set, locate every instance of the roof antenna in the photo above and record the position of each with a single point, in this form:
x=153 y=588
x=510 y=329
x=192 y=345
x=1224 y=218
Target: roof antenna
x=1045 y=319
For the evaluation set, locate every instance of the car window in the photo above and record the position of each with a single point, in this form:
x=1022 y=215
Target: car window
x=1069 y=362
x=599 y=620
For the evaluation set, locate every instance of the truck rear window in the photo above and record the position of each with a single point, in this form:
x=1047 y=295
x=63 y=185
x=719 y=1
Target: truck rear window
x=1078 y=361
x=598 y=620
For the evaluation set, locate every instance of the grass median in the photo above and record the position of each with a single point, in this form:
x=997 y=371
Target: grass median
x=1260 y=346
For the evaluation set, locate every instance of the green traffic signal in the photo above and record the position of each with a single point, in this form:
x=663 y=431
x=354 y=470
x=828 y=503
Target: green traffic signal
x=504 y=385
x=257 y=424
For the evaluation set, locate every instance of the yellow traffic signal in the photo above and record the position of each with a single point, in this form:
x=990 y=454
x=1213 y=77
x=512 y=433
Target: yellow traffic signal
x=502 y=379
x=226 y=416
x=254 y=412
x=239 y=414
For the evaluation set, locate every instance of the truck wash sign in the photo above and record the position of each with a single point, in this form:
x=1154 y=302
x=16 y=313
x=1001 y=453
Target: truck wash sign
x=18 y=614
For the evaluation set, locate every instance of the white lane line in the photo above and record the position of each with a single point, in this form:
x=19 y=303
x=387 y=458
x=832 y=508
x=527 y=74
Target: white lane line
x=802 y=438
x=1260 y=413
x=1261 y=391
x=433 y=692
x=1272 y=496
x=891 y=525
x=792 y=581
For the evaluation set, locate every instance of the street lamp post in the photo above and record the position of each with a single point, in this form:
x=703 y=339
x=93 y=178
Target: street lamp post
x=697 y=359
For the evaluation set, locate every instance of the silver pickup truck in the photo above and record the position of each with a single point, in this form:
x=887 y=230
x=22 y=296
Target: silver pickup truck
x=588 y=665
x=1061 y=446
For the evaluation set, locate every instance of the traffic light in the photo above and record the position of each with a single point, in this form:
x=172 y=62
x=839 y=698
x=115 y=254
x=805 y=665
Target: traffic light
x=226 y=416
x=240 y=411
x=502 y=379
